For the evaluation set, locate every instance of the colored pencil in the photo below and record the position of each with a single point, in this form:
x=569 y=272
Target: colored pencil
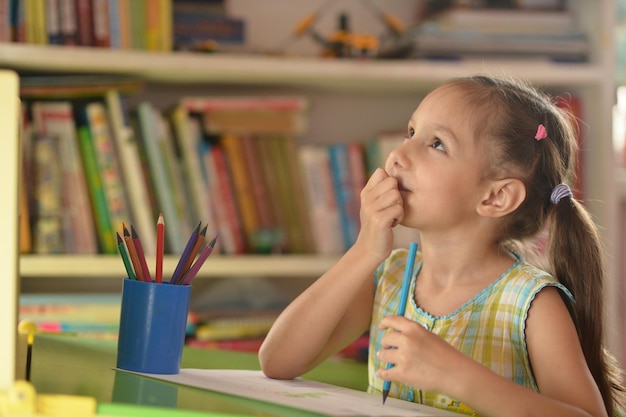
x=404 y=295
x=132 y=253
x=160 y=245
x=194 y=251
x=124 y=254
x=140 y=255
x=193 y=271
x=178 y=272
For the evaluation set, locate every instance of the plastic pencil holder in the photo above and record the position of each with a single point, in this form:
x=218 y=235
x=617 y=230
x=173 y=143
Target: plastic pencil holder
x=153 y=320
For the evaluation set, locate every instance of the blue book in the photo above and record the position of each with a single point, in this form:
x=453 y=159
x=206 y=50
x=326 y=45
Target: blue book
x=346 y=198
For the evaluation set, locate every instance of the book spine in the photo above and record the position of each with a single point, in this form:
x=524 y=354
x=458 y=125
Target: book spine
x=48 y=227
x=100 y=18
x=106 y=234
x=106 y=157
x=68 y=24
x=53 y=22
x=132 y=173
x=222 y=192
x=84 y=22
x=166 y=26
x=243 y=189
x=187 y=133
x=5 y=21
x=322 y=201
x=158 y=175
x=113 y=8
x=345 y=194
x=152 y=25
x=56 y=119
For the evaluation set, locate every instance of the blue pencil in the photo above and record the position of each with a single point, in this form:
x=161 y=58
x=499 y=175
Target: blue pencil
x=404 y=295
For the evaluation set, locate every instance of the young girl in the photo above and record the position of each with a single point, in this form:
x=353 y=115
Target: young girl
x=484 y=168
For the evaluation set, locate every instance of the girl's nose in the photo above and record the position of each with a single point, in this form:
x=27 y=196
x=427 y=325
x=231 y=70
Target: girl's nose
x=395 y=161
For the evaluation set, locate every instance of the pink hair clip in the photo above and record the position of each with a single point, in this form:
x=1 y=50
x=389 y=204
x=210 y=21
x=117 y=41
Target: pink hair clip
x=541 y=133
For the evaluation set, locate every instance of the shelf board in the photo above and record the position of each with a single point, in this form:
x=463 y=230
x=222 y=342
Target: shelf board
x=337 y=74
x=111 y=266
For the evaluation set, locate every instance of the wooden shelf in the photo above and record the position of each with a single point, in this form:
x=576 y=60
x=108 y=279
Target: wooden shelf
x=111 y=266
x=357 y=75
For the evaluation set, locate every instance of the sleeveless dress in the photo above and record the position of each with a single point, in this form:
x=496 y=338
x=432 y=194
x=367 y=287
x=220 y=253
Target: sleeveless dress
x=488 y=328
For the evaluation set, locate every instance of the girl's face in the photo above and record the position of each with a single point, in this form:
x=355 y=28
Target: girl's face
x=441 y=166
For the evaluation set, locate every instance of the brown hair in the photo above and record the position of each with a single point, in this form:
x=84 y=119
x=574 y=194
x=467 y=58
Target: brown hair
x=509 y=113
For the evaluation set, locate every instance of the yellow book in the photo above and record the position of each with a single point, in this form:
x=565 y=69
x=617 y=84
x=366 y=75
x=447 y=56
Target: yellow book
x=243 y=186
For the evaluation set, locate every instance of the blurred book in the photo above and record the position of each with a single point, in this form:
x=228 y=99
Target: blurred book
x=511 y=32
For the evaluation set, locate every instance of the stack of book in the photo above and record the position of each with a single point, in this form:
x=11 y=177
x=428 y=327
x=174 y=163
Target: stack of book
x=458 y=32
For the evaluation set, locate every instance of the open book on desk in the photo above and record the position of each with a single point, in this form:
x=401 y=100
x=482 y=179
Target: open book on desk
x=312 y=396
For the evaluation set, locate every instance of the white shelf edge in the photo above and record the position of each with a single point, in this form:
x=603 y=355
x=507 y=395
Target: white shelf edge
x=361 y=75
x=218 y=266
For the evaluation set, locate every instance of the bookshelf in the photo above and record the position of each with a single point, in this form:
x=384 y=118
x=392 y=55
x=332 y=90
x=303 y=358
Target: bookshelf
x=347 y=85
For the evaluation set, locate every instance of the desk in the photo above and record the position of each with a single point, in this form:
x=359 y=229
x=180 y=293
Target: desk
x=72 y=365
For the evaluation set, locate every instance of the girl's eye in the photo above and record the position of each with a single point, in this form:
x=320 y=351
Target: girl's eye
x=438 y=144
x=410 y=134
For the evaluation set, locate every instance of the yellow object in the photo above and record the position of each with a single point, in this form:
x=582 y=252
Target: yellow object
x=28 y=328
x=22 y=400
x=66 y=405
x=19 y=400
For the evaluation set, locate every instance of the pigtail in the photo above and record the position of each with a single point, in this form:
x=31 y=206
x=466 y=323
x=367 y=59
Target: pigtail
x=575 y=253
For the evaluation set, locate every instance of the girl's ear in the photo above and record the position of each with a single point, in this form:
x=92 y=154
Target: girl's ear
x=503 y=197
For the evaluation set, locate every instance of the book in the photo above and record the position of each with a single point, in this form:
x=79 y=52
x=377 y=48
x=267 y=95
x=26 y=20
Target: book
x=67 y=22
x=106 y=156
x=321 y=198
x=242 y=184
x=84 y=22
x=187 y=135
x=128 y=150
x=259 y=189
x=56 y=118
x=251 y=114
x=152 y=144
x=48 y=217
x=102 y=217
x=344 y=189
x=215 y=165
x=5 y=21
x=100 y=18
x=53 y=22
x=173 y=165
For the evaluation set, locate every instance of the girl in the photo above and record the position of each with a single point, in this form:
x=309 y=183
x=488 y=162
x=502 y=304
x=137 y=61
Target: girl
x=484 y=168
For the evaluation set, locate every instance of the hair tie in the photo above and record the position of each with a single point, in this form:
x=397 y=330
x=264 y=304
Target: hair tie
x=560 y=191
x=541 y=133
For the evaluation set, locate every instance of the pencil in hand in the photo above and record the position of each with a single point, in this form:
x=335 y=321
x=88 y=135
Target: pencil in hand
x=404 y=295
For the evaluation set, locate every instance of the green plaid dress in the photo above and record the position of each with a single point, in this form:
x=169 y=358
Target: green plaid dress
x=489 y=328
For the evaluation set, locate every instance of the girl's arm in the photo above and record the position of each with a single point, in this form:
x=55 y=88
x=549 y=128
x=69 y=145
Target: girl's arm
x=336 y=308
x=565 y=384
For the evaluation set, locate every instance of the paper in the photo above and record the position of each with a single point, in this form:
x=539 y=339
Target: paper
x=299 y=393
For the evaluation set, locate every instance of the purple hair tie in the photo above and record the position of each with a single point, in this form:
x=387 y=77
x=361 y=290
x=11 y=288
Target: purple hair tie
x=560 y=191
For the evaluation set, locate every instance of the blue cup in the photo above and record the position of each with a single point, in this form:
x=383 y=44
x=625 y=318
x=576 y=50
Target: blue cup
x=153 y=320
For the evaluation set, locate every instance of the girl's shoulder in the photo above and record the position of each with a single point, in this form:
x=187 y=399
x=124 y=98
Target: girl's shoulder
x=525 y=277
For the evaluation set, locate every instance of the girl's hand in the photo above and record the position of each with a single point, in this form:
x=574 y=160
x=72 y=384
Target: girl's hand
x=421 y=358
x=381 y=210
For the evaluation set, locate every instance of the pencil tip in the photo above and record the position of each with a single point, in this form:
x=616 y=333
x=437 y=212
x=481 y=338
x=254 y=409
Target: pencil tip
x=204 y=229
x=212 y=242
x=385 y=394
